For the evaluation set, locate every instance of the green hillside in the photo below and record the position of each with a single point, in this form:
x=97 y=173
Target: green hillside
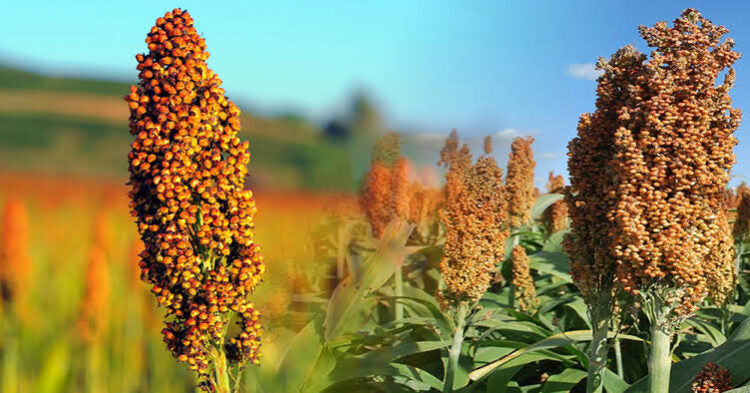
x=46 y=125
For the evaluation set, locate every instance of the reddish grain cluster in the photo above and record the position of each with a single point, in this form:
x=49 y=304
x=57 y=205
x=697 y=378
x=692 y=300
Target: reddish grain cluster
x=712 y=379
x=187 y=174
x=519 y=183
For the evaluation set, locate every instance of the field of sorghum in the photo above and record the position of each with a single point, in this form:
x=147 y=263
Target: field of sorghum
x=632 y=278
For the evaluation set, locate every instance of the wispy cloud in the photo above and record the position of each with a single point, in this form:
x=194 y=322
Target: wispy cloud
x=583 y=71
x=549 y=156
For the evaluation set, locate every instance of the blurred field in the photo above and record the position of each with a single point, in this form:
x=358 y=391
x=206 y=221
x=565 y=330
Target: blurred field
x=65 y=215
x=79 y=127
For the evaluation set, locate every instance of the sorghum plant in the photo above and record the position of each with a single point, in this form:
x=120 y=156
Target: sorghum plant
x=668 y=127
x=187 y=173
x=474 y=244
x=519 y=182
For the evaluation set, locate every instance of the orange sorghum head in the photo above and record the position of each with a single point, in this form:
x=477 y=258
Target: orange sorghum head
x=488 y=145
x=375 y=200
x=458 y=165
x=475 y=235
x=187 y=175
x=400 y=189
x=712 y=379
x=741 y=230
x=657 y=153
x=524 y=291
x=449 y=150
x=15 y=261
x=593 y=191
x=555 y=218
x=674 y=147
x=95 y=306
x=519 y=182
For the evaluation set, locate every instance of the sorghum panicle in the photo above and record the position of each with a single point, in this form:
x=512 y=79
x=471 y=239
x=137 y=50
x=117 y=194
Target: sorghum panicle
x=741 y=229
x=555 y=218
x=15 y=260
x=712 y=379
x=187 y=173
x=673 y=145
x=475 y=235
x=524 y=292
x=375 y=198
x=519 y=182
x=401 y=189
x=94 y=316
x=720 y=268
x=593 y=190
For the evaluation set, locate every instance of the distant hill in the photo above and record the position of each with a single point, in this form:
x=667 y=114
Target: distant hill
x=79 y=126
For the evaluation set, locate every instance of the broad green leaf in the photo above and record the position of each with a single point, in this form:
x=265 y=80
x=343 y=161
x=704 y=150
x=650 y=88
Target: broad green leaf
x=307 y=344
x=542 y=203
x=563 y=382
x=732 y=355
x=346 y=305
x=613 y=383
x=554 y=341
x=554 y=263
x=378 y=362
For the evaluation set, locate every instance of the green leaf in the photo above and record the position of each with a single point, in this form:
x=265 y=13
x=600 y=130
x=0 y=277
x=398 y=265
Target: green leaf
x=345 y=308
x=554 y=263
x=379 y=362
x=307 y=344
x=613 y=383
x=554 y=341
x=563 y=382
x=732 y=355
x=542 y=203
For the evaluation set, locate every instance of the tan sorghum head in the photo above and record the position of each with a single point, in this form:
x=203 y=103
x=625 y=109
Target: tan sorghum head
x=524 y=291
x=475 y=235
x=519 y=182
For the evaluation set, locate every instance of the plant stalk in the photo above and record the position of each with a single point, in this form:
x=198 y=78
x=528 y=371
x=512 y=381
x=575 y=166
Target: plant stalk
x=598 y=349
x=618 y=359
x=398 y=290
x=659 y=361
x=455 y=351
x=221 y=372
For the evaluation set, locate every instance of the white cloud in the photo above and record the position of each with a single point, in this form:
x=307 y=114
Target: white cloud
x=430 y=139
x=549 y=156
x=583 y=71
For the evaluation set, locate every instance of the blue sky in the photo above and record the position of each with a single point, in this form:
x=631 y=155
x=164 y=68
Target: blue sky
x=483 y=67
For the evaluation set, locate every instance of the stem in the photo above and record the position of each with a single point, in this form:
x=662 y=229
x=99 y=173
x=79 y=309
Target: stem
x=659 y=362
x=618 y=359
x=660 y=358
x=598 y=349
x=455 y=352
x=221 y=371
x=398 y=290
